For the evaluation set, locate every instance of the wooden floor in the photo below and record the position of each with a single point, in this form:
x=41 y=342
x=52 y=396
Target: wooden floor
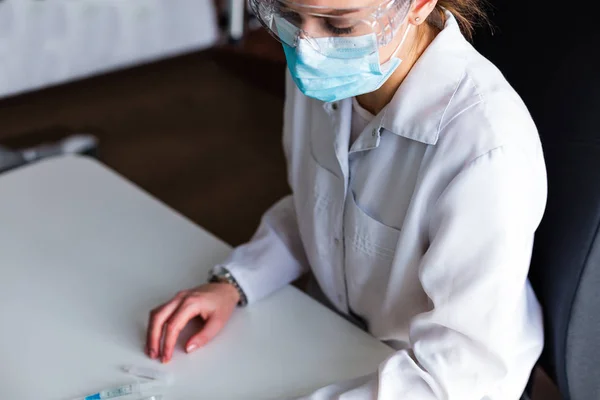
x=200 y=132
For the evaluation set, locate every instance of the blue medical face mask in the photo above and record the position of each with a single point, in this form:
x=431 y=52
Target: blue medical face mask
x=342 y=67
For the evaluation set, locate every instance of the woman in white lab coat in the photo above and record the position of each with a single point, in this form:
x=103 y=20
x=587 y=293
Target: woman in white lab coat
x=418 y=182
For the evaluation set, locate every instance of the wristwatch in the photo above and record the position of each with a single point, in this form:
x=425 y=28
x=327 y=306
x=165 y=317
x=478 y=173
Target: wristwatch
x=221 y=274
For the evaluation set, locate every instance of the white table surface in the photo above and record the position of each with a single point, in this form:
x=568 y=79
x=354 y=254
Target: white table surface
x=84 y=255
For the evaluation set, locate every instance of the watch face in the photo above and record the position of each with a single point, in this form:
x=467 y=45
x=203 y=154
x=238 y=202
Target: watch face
x=219 y=270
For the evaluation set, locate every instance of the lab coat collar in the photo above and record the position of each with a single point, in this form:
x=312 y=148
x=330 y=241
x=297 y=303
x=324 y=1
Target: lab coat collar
x=371 y=136
x=417 y=109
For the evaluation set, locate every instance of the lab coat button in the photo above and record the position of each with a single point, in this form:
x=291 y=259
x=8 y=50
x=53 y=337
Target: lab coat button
x=375 y=132
x=336 y=241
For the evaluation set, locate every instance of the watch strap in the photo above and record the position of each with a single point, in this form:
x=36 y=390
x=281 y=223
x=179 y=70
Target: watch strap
x=224 y=276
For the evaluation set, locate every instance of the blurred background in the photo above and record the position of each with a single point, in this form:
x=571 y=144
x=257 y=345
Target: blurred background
x=175 y=108
x=180 y=97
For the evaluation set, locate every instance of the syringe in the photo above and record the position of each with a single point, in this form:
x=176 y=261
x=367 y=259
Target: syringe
x=143 y=388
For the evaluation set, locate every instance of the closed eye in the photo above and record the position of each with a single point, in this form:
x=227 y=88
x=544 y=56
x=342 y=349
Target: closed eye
x=335 y=26
x=338 y=30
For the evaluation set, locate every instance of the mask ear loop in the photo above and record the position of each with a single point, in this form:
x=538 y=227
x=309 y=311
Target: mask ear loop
x=401 y=42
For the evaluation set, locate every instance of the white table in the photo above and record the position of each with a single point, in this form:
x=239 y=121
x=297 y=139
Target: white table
x=84 y=255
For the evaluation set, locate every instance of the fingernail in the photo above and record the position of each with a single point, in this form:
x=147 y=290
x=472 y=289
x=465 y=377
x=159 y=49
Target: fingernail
x=164 y=360
x=152 y=354
x=191 y=347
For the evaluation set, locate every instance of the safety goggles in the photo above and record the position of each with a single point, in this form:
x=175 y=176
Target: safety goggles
x=290 y=21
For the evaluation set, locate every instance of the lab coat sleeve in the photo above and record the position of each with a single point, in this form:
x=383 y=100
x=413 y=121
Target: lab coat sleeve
x=484 y=322
x=275 y=255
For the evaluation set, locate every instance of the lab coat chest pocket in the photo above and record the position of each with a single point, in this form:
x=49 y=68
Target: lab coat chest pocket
x=370 y=249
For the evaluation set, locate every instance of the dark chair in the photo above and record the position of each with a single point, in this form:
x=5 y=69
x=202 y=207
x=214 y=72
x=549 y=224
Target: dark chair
x=551 y=56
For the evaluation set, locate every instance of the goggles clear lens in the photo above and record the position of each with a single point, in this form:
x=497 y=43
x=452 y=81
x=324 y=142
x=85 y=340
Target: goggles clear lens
x=290 y=21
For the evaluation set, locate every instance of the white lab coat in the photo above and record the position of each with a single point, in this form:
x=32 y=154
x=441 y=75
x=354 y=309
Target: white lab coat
x=424 y=228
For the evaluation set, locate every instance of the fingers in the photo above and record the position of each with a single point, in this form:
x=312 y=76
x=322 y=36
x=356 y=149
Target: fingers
x=158 y=317
x=211 y=328
x=175 y=324
x=213 y=302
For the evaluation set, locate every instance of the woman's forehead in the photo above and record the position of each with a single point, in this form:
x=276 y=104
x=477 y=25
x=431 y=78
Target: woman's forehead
x=335 y=4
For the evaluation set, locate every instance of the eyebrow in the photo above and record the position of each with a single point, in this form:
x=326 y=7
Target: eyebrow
x=343 y=12
x=320 y=11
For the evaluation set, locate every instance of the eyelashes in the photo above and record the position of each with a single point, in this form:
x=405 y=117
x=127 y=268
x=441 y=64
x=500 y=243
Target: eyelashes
x=336 y=30
x=296 y=18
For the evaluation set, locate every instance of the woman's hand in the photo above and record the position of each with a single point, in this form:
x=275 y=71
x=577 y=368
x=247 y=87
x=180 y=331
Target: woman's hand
x=214 y=302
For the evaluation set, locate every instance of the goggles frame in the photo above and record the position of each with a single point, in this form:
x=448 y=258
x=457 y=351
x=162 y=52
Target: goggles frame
x=385 y=17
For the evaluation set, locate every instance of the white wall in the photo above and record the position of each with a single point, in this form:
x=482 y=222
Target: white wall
x=44 y=42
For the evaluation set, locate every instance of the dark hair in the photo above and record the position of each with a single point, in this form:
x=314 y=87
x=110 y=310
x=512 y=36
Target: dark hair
x=468 y=13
